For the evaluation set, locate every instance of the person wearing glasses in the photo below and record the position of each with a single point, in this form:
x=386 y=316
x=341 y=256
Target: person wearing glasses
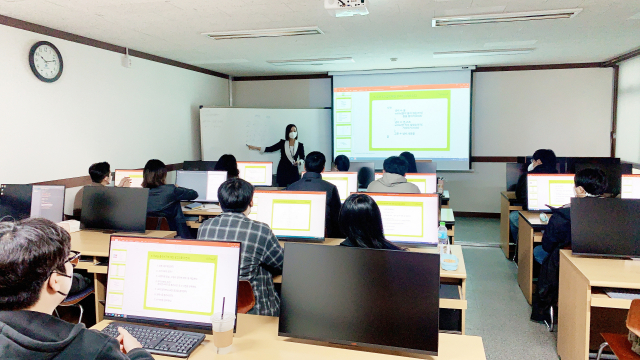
x=36 y=272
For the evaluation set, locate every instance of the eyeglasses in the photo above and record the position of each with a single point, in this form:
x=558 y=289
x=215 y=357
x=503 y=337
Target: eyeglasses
x=74 y=259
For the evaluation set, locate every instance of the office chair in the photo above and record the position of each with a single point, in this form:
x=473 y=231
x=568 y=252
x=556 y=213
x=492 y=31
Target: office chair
x=619 y=343
x=246 y=298
x=74 y=300
x=157 y=223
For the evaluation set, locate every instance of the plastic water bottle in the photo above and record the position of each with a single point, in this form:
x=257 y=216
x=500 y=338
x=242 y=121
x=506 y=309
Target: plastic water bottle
x=443 y=238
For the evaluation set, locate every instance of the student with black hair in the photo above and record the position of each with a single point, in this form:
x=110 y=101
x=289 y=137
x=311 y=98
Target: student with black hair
x=361 y=223
x=341 y=163
x=312 y=181
x=36 y=252
x=411 y=160
x=393 y=180
x=100 y=174
x=164 y=199
x=291 y=156
x=229 y=164
x=262 y=255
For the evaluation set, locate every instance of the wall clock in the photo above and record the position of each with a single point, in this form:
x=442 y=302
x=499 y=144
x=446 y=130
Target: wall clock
x=45 y=61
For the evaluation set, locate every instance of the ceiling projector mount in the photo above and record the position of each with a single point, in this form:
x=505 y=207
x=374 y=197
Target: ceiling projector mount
x=341 y=8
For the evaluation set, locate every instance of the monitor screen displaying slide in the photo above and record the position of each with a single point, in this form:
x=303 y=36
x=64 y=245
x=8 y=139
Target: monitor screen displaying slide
x=427 y=183
x=135 y=176
x=156 y=280
x=258 y=173
x=292 y=215
x=205 y=183
x=409 y=218
x=630 y=187
x=346 y=182
x=383 y=113
x=554 y=190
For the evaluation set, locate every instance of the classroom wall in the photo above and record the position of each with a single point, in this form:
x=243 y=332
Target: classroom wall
x=628 y=129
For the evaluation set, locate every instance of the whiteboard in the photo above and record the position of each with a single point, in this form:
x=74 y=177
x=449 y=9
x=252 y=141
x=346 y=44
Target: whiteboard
x=518 y=112
x=227 y=130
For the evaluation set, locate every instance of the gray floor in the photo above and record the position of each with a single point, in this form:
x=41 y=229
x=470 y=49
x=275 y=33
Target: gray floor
x=497 y=310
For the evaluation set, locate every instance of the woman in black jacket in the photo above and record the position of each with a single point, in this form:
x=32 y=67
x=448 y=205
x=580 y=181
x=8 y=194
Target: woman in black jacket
x=291 y=156
x=164 y=199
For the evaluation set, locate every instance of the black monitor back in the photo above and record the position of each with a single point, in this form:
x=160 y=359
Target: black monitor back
x=573 y=161
x=366 y=172
x=199 y=165
x=426 y=167
x=613 y=173
x=605 y=227
x=114 y=208
x=15 y=201
x=514 y=171
x=380 y=298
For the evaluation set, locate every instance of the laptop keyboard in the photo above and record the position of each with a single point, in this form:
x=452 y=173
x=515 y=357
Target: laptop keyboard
x=158 y=340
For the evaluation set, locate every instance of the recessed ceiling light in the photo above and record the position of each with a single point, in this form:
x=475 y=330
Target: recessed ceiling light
x=321 y=61
x=249 y=34
x=471 y=53
x=510 y=44
x=504 y=17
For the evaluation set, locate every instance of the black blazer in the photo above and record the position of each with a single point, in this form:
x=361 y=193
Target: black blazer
x=313 y=182
x=287 y=173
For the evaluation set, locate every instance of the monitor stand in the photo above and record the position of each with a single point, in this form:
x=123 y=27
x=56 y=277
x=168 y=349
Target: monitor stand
x=109 y=231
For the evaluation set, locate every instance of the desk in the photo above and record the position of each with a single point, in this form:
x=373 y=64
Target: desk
x=529 y=235
x=580 y=293
x=257 y=338
x=446 y=215
x=94 y=246
x=506 y=207
x=444 y=199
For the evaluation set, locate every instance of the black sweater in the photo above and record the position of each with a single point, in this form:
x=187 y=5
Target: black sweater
x=164 y=201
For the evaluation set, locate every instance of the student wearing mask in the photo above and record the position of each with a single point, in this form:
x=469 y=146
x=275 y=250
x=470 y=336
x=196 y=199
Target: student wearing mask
x=100 y=174
x=341 y=163
x=164 y=199
x=361 y=223
x=393 y=180
x=36 y=252
x=291 y=156
x=229 y=164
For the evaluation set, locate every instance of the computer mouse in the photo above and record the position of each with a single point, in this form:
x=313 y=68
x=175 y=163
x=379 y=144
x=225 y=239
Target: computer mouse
x=544 y=217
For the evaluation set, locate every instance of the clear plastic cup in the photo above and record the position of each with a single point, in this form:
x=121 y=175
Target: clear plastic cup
x=223 y=331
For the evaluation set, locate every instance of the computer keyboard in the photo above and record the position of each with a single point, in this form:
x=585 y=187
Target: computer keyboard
x=158 y=340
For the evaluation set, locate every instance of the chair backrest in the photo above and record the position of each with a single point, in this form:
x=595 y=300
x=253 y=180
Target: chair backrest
x=157 y=223
x=246 y=299
x=633 y=317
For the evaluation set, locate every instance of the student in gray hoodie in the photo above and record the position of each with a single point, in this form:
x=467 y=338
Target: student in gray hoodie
x=393 y=180
x=35 y=277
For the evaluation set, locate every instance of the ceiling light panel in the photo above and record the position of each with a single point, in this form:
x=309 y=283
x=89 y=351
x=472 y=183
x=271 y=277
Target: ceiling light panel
x=321 y=61
x=252 y=34
x=504 y=17
x=472 y=53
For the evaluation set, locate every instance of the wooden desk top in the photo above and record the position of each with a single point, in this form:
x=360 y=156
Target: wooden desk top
x=96 y=243
x=601 y=272
x=206 y=210
x=511 y=195
x=257 y=338
x=533 y=218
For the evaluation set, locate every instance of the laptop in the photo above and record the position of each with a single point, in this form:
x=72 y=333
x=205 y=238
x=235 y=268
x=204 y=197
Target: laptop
x=549 y=190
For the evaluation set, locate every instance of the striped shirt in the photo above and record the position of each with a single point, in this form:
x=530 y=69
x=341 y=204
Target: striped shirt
x=261 y=258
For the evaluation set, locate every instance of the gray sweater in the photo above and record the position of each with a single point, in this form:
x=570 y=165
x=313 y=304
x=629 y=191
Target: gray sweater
x=393 y=183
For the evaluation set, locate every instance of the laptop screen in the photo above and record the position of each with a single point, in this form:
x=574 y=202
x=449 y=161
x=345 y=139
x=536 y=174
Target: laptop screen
x=555 y=190
x=630 y=187
x=409 y=218
x=427 y=183
x=135 y=176
x=291 y=215
x=177 y=283
x=257 y=173
x=346 y=182
x=205 y=183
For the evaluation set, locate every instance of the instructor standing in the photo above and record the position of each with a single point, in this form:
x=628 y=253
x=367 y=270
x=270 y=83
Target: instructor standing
x=291 y=156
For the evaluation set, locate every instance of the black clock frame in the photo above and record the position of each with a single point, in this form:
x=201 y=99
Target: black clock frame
x=33 y=65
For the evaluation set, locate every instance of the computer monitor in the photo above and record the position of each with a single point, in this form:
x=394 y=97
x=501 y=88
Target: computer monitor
x=114 y=209
x=426 y=167
x=258 y=173
x=346 y=182
x=173 y=283
x=427 y=183
x=410 y=219
x=15 y=201
x=291 y=215
x=366 y=172
x=544 y=190
x=47 y=201
x=135 y=176
x=630 y=187
x=605 y=227
x=199 y=165
x=514 y=171
x=573 y=161
x=613 y=173
x=365 y=297
x=206 y=183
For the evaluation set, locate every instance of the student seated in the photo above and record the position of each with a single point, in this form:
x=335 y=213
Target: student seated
x=543 y=162
x=393 y=180
x=361 y=222
x=36 y=254
x=164 y=199
x=312 y=181
x=262 y=255
x=411 y=160
x=100 y=174
x=229 y=164
x=341 y=163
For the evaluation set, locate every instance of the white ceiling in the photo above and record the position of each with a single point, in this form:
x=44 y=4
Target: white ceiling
x=393 y=29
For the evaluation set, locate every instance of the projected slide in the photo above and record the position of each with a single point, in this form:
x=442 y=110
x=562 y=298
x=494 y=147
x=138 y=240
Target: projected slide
x=426 y=113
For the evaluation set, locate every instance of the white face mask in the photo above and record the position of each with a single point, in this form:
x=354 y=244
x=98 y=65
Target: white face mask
x=531 y=167
x=293 y=135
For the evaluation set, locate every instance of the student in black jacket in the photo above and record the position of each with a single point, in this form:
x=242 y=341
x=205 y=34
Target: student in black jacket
x=164 y=199
x=36 y=254
x=312 y=181
x=361 y=223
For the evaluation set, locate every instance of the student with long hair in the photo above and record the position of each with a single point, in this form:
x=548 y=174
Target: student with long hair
x=229 y=164
x=361 y=223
